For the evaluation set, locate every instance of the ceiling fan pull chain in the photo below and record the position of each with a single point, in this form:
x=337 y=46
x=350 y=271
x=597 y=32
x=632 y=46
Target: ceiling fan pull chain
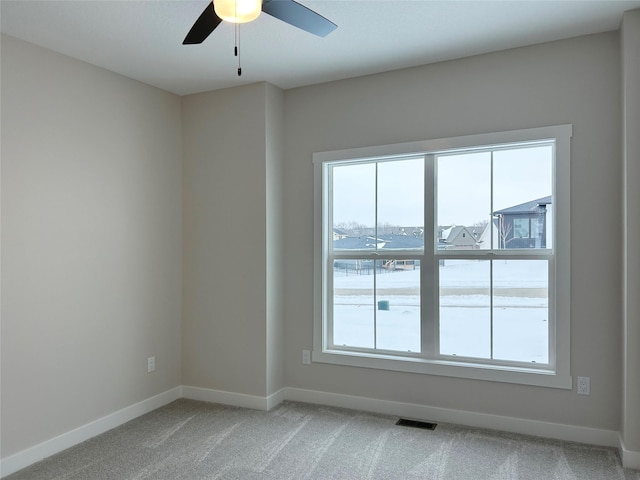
x=237 y=48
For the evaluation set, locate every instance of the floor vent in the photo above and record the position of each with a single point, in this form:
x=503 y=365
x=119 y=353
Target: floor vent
x=403 y=422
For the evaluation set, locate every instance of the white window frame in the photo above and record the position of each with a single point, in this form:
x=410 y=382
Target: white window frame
x=557 y=373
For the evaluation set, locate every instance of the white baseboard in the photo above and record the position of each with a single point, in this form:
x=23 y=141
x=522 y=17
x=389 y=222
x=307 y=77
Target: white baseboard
x=277 y=398
x=31 y=455
x=630 y=458
x=593 y=436
x=230 y=398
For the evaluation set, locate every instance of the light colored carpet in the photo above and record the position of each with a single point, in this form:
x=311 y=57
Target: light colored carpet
x=189 y=440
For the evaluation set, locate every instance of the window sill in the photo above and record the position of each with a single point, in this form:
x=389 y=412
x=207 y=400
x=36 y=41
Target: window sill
x=494 y=373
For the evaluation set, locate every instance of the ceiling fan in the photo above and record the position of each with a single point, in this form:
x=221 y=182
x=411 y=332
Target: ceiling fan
x=288 y=11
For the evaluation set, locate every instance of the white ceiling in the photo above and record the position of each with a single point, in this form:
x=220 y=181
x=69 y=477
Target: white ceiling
x=143 y=39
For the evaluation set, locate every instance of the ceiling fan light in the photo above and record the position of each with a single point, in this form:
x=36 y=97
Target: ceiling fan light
x=238 y=11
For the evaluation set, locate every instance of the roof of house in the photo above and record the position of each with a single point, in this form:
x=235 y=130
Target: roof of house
x=458 y=235
x=453 y=232
x=527 y=207
x=365 y=242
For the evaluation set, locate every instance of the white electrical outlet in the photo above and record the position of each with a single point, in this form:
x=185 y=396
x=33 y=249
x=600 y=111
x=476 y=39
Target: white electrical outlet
x=306 y=357
x=584 y=386
x=151 y=364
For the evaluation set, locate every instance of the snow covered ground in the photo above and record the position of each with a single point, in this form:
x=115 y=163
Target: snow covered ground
x=520 y=310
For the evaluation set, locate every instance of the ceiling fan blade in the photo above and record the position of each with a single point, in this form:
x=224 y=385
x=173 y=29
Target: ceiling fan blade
x=206 y=23
x=299 y=16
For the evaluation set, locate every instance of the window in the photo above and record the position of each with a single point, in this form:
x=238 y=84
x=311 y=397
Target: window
x=450 y=261
x=521 y=227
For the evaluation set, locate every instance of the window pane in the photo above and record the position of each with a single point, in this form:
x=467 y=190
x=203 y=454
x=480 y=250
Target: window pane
x=390 y=320
x=521 y=310
x=398 y=305
x=522 y=201
x=353 y=315
x=354 y=197
x=465 y=308
x=464 y=201
x=521 y=227
x=401 y=203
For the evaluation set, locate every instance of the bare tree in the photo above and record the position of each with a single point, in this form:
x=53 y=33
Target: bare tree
x=353 y=228
x=387 y=228
x=481 y=224
x=504 y=229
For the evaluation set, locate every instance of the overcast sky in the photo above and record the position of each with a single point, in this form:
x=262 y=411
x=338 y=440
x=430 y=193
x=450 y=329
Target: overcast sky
x=464 y=187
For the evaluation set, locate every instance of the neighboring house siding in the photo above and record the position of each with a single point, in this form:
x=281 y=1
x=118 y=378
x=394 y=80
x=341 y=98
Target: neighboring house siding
x=458 y=238
x=524 y=225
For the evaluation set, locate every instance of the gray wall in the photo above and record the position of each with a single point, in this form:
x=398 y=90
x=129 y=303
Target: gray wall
x=106 y=243
x=91 y=243
x=574 y=81
x=630 y=54
x=232 y=292
x=275 y=245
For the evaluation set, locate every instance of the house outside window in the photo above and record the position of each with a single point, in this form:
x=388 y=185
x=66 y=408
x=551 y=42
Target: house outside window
x=450 y=261
x=524 y=225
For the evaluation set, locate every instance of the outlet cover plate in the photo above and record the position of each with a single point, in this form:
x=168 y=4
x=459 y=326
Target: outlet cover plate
x=584 y=386
x=151 y=364
x=306 y=357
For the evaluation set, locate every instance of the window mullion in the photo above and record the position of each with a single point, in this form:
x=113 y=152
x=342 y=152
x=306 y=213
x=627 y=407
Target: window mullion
x=491 y=308
x=375 y=275
x=491 y=262
x=429 y=300
x=491 y=201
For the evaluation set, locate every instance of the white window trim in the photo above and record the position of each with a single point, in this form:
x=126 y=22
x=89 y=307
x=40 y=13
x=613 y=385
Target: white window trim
x=559 y=376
